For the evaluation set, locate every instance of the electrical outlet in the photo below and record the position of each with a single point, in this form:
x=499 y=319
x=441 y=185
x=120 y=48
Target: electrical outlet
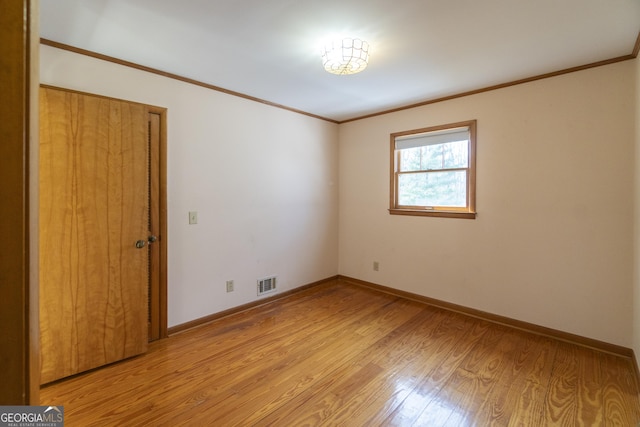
x=229 y=285
x=376 y=266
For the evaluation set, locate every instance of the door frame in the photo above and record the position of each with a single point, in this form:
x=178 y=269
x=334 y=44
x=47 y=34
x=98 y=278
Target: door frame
x=19 y=341
x=162 y=297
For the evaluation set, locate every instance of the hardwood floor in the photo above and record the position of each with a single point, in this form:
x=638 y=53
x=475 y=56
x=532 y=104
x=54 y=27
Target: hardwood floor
x=339 y=354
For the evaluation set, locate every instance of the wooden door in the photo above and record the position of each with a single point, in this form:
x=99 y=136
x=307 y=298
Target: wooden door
x=94 y=206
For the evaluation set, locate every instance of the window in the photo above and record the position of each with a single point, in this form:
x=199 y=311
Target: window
x=433 y=171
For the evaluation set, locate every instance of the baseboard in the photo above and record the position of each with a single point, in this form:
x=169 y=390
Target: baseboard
x=210 y=318
x=636 y=369
x=479 y=314
x=494 y=318
x=490 y=317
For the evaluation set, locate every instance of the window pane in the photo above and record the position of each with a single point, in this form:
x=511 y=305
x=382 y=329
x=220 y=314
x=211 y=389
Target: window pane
x=433 y=189
x=410 y=160
x=438 y=156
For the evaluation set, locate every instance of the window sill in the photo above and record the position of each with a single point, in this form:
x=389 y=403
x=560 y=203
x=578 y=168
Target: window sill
x=442 y=214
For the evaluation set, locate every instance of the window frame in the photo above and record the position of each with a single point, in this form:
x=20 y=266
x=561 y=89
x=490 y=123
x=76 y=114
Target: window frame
x=467 y=212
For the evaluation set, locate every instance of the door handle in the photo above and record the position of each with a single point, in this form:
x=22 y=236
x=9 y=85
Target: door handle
x=141 y=243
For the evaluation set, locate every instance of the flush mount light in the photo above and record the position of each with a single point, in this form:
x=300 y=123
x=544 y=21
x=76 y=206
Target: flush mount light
x=345 y=56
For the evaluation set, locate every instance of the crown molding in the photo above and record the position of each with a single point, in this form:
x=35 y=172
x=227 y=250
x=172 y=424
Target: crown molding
x=634 y=54
x=114 y=60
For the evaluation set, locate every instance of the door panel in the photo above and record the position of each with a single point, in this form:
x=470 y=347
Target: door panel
x=94 y=206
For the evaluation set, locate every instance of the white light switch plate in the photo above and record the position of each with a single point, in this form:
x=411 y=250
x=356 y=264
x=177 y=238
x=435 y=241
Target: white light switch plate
x=193 y=217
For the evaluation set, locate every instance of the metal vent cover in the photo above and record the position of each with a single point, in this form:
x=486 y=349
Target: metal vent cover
x=266 y=285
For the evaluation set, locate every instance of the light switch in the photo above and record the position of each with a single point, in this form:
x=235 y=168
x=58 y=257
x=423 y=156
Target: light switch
x=193 y=217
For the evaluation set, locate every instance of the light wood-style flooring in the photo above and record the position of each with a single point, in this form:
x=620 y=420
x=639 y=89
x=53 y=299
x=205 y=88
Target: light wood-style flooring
x=339 y=354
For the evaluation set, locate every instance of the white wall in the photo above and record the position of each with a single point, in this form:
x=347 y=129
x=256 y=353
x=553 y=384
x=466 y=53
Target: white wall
x=263 y=180
x=552 y=245
x=553 y=240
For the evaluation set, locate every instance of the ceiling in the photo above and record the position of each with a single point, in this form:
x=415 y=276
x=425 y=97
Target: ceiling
x=420 y=49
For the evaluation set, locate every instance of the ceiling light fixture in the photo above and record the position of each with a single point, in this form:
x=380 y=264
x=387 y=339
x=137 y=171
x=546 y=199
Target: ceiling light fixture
x=345 y=56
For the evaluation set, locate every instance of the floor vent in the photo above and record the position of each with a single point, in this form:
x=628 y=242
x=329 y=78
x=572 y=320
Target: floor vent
x=266 y=285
